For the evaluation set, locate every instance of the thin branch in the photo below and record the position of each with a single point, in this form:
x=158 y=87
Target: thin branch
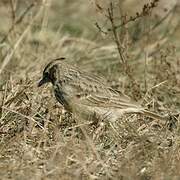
x=13 y=14
x=146 y=10
x=115 y=34
x=100 y=28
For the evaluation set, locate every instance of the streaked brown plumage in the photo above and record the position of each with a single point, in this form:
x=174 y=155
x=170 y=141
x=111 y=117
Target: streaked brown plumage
x=84 y=93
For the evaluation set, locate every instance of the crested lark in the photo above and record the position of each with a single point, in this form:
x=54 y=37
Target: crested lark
x=81 y=92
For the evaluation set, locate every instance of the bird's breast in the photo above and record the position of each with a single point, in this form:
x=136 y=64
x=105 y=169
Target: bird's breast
x=62 y=97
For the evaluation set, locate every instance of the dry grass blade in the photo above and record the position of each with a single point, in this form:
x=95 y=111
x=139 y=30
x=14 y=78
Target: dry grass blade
x=39 y=139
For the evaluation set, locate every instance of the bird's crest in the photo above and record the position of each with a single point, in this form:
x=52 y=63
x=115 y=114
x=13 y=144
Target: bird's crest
x=53 y=62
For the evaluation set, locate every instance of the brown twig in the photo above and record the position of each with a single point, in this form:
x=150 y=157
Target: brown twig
x=115 y=34
x=158 y=23
x=13 y=14
x=146 y=10
x=100 y=28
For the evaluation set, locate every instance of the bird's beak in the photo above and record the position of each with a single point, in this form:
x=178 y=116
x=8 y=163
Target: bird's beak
x=43 y=81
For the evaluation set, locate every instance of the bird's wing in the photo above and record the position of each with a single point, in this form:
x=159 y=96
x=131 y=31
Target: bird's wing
x=92 y=93
x=90 y=90
x=100 y=100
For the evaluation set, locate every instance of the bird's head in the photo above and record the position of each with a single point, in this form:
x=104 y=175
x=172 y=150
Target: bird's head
x=50 y=72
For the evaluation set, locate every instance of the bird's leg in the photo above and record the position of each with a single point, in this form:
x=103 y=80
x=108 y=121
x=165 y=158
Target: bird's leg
x=95 y=118
x=68 y=115
x=99 y=118
x=99 y=124
x=173 y=121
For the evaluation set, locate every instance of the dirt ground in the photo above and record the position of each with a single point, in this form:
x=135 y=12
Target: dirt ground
x=38 y=140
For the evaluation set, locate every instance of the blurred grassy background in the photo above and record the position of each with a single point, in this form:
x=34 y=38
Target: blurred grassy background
x=38 y=141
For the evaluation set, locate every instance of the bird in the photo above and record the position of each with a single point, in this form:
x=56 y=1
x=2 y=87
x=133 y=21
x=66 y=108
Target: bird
x=81 y=92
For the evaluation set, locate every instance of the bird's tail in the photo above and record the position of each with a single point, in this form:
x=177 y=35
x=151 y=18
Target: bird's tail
x=154 y=115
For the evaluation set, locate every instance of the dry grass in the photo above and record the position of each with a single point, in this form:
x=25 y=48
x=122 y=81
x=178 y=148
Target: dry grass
x=40 y=141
